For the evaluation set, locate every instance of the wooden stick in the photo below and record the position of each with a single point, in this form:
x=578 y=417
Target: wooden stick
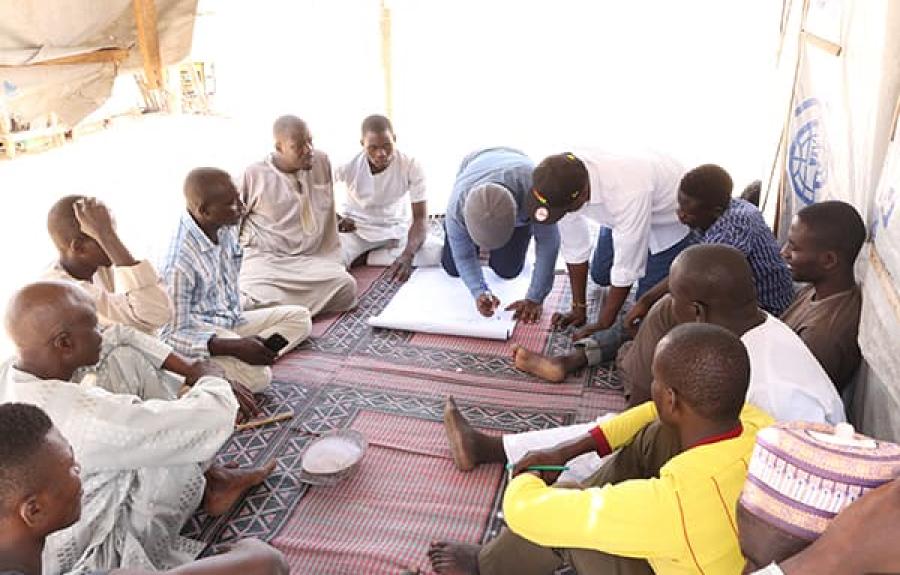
x=260 y=422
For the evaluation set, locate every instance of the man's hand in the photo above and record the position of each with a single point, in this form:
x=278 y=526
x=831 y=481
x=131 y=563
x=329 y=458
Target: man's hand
x=200 y=368
x=635 y=316
x=487 y=303
x=94 y=218
x=346 y=225
x=576 y=317
x=246 y=402
x=250 y=350
x=550 y=456
x=589 y=330
x=401 y=269
x=526 y=311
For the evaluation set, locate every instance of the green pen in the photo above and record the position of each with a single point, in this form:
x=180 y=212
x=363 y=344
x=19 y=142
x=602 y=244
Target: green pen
x=511 y=466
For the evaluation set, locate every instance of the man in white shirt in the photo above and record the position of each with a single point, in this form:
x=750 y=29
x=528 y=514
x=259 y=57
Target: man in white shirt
x=634 y=199
x=711 y=283
x=382 y=185
x=91 y=254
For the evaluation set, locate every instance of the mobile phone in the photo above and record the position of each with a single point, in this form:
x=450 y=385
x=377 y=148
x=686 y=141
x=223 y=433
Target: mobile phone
x=275 y=342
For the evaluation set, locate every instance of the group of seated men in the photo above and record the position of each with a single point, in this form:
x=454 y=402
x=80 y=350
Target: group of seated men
x=143 y=375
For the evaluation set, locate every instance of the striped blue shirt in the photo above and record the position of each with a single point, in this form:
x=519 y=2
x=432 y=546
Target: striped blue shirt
x=743 y=227
x=202 y=279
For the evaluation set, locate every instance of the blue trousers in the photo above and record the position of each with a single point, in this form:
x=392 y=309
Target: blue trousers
x=507 y=261
x=658 y=264
x=603 y=345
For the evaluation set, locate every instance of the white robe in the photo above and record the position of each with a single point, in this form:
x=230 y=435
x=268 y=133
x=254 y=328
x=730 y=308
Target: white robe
x=291 y=251
x=142 y=460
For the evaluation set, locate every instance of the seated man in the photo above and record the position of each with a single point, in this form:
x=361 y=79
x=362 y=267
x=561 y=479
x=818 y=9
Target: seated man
x=488 y=210
x=202 y=269
x=126 y=290
x=709 y=283
x=823 y=242
x=40 y=494
x=634 y=200
x=381 y=182
x=292 y=255
x=145 y=462
x=664 y=503
x=705 y=205
x=861 y=540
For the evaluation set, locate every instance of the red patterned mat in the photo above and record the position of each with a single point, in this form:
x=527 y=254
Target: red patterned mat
x=412 y=494
x=391 y=385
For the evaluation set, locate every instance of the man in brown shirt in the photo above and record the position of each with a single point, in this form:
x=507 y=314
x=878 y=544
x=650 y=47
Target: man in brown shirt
x=823 y=242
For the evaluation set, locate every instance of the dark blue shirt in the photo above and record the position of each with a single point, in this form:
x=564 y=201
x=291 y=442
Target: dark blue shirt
x=743 y=227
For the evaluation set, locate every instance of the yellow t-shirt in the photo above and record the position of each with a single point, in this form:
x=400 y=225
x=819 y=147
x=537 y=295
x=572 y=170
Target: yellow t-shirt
x=683 y=522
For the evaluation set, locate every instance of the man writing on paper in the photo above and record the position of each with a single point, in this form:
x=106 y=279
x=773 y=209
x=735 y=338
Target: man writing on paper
x=487 y=210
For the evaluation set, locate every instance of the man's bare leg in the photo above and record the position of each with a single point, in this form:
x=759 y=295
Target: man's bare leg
x=454 y=558
x=469 y=446
x=553 y=369
x=226 y=484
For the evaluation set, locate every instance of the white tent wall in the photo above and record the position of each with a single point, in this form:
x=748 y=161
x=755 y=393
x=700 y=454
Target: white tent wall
x=834 y=145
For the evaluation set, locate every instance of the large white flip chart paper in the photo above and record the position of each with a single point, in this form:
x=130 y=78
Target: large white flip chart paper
x=433 y=302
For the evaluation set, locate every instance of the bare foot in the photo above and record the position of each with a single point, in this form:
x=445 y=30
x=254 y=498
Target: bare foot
x=454 y=558
x=461 y=436
x=225 y=485
x=549 y=368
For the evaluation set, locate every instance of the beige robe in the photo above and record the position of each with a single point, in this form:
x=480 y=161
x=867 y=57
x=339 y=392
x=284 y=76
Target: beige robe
x=291 y=250
x=134 y=295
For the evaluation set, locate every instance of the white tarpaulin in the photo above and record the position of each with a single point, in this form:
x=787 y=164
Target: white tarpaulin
x=817 y=155
x=433 y=302
x=37 y=31
x=843 y=56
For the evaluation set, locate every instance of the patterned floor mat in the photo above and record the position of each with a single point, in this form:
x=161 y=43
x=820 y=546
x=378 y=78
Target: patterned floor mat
x=391 y=385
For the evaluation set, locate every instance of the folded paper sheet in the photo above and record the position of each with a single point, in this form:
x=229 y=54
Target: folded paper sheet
x=433 y=302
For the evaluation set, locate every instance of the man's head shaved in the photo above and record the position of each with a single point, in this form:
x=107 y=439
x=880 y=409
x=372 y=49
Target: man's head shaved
x=715 y=274
x=61 y=222
x=23 y=432
x=201 y=184
x=287 y=127
x=38 y=311
x=708 y=366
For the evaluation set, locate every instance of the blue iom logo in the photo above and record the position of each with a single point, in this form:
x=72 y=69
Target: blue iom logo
x=807 y=162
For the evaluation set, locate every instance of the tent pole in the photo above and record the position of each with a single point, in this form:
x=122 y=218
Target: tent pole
x=386 y=61
x=148 y=42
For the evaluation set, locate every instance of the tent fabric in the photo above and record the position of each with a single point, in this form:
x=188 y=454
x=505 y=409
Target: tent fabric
x=43 y=30
x=835 y=145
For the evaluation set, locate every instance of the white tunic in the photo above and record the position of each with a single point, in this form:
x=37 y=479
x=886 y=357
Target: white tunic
x=637 y=197
x=380 y=203
x=786 y=379
x=142 y=462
